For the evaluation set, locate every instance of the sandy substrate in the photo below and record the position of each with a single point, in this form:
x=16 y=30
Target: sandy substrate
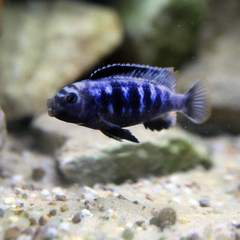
x=207 y=203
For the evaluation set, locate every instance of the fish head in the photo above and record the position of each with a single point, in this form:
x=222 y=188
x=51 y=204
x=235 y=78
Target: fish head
x=71 y=105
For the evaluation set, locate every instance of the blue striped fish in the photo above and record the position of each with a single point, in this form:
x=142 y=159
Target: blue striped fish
x=123 y=95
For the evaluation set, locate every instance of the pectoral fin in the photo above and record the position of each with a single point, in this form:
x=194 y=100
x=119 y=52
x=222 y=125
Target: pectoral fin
x=109 y=129
x=165 y=121
x=119 y=134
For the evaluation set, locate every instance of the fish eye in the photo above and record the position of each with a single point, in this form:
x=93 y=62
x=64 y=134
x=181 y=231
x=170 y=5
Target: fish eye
x=72 y=97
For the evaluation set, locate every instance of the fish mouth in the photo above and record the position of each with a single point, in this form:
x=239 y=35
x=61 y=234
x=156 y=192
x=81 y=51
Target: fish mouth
x=51 y=107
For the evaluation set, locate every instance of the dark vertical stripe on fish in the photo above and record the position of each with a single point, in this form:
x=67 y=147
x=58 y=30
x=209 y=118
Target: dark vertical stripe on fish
x=118 y=99
x=134 y=98
x=105 y=100
x=157 y=103
x=147 y=101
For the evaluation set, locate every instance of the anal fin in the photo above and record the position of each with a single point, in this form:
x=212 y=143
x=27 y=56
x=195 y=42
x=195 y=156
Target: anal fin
x=165 y=121
x=119 y=134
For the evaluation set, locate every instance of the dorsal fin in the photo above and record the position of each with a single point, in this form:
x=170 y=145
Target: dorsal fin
x=161 y=76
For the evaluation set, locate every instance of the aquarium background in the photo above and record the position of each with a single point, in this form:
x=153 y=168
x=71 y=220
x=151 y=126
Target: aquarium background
x=63 y=181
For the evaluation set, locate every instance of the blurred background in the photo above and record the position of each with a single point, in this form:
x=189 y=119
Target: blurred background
x=45 y=45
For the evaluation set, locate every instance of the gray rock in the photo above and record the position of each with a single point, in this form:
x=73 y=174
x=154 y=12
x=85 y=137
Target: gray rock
x=88 y=157
x=46 y=45
x=161 y=32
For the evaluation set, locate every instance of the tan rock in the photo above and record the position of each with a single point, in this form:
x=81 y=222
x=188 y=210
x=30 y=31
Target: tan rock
x=48 y=45
x=1 y=14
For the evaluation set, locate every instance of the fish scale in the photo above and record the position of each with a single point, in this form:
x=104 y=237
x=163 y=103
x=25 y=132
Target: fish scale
x=122 y=95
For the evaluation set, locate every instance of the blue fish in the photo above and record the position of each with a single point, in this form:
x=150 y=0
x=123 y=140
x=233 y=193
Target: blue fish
x=123 y=95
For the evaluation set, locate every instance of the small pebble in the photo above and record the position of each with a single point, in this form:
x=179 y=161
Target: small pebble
x=114 y=217
x=237 y=226
x=27 y=231
x=61 y=198
x=11 y=233
x=154 y=221
x=139 y=223
x=194 y=236
x=149 y=197
x=17 y=210
x=86 y=213
x=144 y=226
x=37 y=233
x=128 y=234
x=18 y=191
x=167 y=217
x=87 y=204
x=108 y=189
x=101 y=208
x=154 y=212
x=23 y=214
x=43 y=220
x=104 y=217
x=120 y=196
x=45 y=192
x=24 y=196
x=64 y=226
x=38 y=174
x=49 y=233
x=53 y=212
x=1 y=212
x=204 y=203
x=9 y=201
x=184 y=220
x=32 y=221
x=77 y=217
x=64 y=208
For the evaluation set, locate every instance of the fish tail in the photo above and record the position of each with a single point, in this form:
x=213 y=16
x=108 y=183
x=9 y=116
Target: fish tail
x=198 y=101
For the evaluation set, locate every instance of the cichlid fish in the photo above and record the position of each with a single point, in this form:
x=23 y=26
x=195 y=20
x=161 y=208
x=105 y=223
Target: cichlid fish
x=123 y=95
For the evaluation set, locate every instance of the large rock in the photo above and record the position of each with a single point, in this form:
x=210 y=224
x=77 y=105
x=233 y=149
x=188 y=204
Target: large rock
x=47 y=45
x=88 y=157
x=161 y=32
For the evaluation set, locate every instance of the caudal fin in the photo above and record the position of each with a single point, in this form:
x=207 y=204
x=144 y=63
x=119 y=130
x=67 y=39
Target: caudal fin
x=198 y=102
